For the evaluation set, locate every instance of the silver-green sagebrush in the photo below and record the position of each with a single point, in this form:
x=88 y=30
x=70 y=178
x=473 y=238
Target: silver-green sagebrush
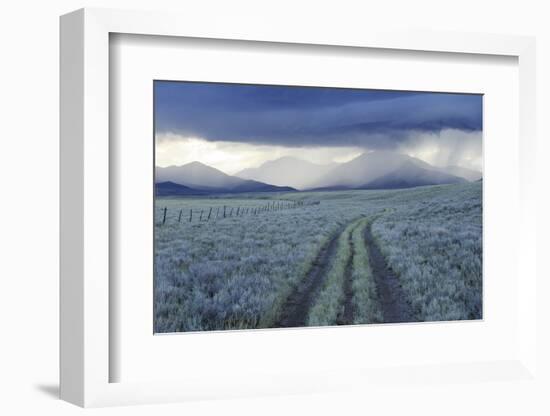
x=236 y=272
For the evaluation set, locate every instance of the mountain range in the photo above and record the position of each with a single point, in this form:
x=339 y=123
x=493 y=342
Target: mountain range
x=385 y=170
x=196 y=178
x=373 y=170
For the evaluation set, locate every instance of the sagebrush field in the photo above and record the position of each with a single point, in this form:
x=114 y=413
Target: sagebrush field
x=282 y=259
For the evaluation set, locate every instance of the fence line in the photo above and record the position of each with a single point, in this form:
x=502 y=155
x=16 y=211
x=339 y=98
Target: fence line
x=241 y=211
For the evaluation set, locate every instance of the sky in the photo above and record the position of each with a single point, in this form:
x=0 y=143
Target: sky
x=235 y=126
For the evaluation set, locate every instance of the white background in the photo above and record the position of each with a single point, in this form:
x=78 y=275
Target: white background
x=29 y=209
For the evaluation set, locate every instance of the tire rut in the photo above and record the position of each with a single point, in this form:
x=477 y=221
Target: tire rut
x=392 y=299
x=296 y=308
x=346 y=318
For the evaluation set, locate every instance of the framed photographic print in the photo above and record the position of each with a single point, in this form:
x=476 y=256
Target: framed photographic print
x=272 y=212
x=287 y=206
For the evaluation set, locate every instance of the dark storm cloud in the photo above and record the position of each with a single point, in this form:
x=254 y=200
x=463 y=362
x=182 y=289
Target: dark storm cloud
x=299 y=116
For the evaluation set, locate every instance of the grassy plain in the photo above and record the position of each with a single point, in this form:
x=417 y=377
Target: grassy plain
x=236 y=272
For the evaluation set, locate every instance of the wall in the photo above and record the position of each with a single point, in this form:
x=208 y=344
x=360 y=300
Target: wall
x=29 y=210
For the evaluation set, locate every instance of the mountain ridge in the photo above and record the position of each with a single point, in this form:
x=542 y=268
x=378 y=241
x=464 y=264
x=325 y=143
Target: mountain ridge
x=286 y=170
x=373 y=170
x=200 y=177
x=411 y=175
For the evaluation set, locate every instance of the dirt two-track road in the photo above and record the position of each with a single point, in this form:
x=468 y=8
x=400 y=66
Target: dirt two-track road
x=392 y=301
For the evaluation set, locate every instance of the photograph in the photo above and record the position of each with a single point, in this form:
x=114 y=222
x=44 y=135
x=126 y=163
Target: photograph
x=287 y=206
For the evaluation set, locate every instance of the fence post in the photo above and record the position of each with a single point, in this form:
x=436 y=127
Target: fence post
x=191 y=215
x=238 y=211
x=217 y=212
x=164 y=216
x=209 y=213
x=224 y=211
x=200 y=219
x=179 y=216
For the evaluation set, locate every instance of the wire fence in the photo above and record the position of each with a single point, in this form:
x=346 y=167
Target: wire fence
x=225 y=211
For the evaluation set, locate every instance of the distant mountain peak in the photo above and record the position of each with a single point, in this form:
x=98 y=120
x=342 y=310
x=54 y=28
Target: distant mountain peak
x=288 y=159
x=200 y=177
x=384 y=168
x=202 y=166
x=196 y=163
x=286 y=171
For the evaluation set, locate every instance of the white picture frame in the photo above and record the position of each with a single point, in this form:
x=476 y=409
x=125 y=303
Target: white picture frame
x=86 y=356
